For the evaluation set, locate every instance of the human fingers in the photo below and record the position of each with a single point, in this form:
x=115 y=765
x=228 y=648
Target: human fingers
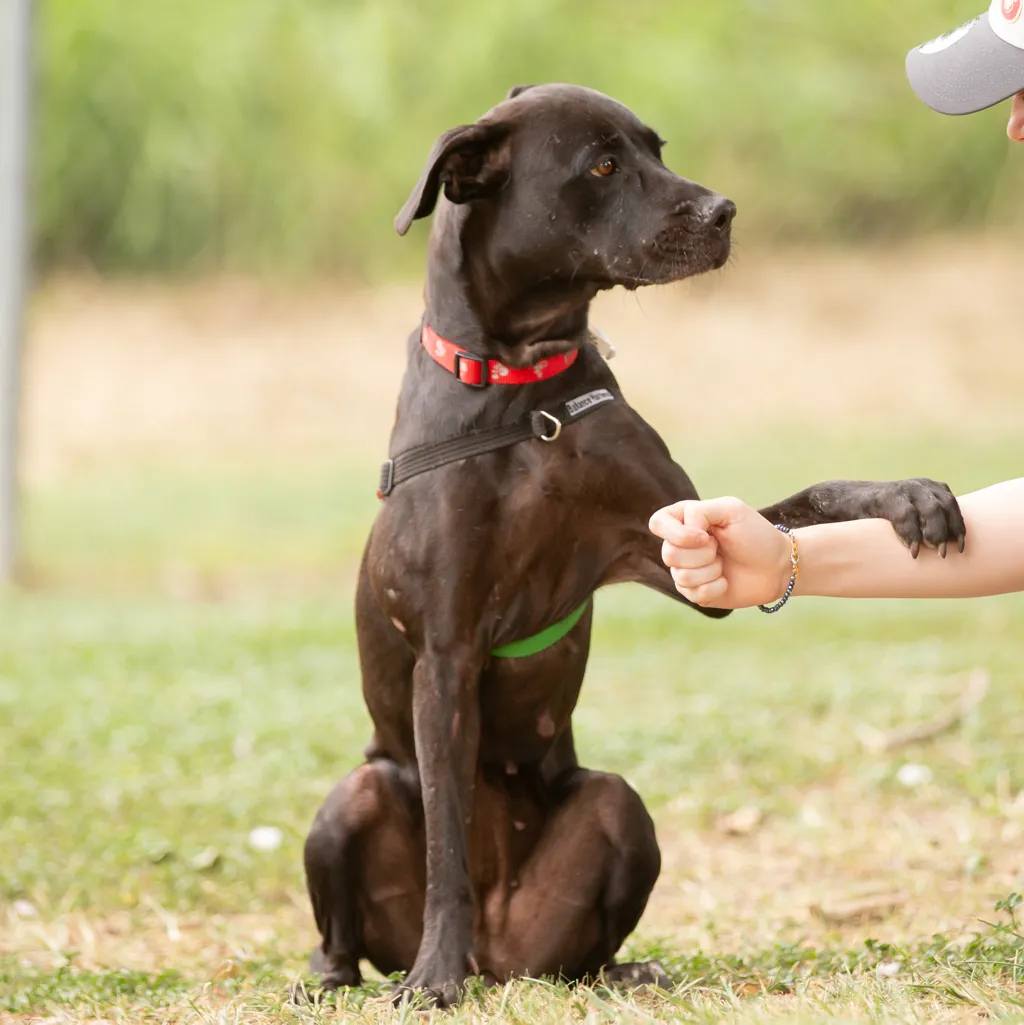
x=712 y=513
x=691 y=579
x=676 y=557
x=710 y=594
x=668 y=524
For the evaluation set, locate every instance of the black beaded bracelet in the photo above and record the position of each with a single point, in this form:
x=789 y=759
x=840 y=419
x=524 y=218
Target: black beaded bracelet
x=794 y=561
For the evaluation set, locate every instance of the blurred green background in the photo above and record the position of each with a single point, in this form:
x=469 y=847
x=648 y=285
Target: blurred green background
x=276 y=135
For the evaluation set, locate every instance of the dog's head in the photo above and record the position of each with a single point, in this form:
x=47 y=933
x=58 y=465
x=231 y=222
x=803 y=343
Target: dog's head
x=569 y=183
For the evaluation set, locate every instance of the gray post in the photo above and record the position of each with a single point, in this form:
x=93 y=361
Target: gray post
x=15 y=87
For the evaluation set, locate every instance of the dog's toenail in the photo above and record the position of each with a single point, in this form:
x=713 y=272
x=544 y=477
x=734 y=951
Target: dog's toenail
x=519 y=825
x=546 y=725
x=399 y=625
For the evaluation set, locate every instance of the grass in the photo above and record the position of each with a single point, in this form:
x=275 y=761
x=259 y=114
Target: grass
x=149 y=725
x=791 y=984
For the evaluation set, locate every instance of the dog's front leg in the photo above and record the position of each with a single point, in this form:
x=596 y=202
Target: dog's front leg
x=921 y=511
x=446 y=723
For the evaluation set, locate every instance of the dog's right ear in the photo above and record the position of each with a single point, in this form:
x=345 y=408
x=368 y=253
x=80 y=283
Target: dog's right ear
x=516 y=90
x=471 y=161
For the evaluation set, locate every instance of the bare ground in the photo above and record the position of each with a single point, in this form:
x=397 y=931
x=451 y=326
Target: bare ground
x=925 y=338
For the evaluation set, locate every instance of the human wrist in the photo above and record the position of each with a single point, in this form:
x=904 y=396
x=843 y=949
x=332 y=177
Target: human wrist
x=783 y=572
x=790 y=573
x=828 y=554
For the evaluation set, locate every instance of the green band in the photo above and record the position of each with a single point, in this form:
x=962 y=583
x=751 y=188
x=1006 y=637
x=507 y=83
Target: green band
x=538 y=642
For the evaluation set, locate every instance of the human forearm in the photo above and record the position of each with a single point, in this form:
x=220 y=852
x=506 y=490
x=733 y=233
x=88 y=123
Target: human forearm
x=864 y=559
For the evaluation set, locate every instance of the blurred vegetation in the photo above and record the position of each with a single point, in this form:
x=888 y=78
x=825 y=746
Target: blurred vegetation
x=282 y=135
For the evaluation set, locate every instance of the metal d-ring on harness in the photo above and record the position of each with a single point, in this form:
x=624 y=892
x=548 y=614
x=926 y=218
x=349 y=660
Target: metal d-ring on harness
x=553 y=436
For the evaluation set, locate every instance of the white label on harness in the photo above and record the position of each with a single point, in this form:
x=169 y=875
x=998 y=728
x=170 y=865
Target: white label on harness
x=584 y=402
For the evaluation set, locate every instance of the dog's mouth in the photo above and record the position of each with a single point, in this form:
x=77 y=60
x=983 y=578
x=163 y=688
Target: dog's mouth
x=683 y=254
x=677 y=255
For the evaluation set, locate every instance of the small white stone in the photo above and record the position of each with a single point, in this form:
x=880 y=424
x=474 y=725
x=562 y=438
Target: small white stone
x=887 y=969
x=741 y=822
x=811 y=816
x=241 y=746
x=914 y=775
x=23 y=909
x=265 y=838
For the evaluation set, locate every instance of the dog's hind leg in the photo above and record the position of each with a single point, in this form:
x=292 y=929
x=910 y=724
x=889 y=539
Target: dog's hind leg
x=364 y=862
x=583 y=888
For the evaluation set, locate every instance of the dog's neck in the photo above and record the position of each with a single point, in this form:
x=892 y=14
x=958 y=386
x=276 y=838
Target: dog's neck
x=482 y=304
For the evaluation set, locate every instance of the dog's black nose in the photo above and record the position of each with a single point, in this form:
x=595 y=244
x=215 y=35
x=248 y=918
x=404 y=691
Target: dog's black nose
x=715 y=213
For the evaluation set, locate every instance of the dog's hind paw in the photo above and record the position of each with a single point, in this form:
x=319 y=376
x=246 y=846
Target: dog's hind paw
x=637 y=974
x=305 y=991
x=332 y=977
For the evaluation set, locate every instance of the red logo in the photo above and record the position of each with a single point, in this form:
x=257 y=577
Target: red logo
x=1012 y=9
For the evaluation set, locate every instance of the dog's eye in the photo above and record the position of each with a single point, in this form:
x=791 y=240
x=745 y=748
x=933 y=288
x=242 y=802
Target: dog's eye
x=604 y=167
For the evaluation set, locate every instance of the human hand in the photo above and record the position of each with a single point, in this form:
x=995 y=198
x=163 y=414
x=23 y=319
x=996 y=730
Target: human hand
x=722 y=553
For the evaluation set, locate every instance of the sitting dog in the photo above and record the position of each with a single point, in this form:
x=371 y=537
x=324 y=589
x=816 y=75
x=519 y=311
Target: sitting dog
x=521 y=481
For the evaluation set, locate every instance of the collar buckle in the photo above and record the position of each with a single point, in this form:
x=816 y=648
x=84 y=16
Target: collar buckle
x=483 y=369
x=387 y=479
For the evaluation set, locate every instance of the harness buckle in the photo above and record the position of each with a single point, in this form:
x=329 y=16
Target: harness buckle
x=468 y=357
x=539 y=426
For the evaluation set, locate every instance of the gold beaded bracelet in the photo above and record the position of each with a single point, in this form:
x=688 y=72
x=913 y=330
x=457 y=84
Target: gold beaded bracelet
x=794 y=562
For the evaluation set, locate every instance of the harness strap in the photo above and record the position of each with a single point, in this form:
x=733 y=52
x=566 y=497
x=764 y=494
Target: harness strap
x=543 y=424
x=545 y=639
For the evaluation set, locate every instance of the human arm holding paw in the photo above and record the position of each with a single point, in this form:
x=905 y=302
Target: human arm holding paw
x=724 y=554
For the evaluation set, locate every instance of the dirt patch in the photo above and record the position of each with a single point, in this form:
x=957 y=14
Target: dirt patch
x=928 y=337
x=151 y=940
x=946 y=863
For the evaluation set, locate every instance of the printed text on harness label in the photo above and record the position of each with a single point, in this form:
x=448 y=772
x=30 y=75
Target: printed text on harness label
x=584 y=402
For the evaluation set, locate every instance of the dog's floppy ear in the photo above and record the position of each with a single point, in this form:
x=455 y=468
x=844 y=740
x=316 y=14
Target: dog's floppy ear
x=471 y=161
x=516 y=90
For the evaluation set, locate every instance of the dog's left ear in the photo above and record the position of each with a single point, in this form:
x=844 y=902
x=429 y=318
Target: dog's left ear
x=471 y=161
x=516 y=90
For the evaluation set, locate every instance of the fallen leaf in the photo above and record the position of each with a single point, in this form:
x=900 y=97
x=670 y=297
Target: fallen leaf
x=860 y=909
x=741 y=822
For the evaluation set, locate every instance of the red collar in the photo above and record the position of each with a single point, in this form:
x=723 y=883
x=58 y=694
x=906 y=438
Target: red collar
x=469 y=369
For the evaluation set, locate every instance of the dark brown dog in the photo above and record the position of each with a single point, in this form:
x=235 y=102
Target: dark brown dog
x=472 y=841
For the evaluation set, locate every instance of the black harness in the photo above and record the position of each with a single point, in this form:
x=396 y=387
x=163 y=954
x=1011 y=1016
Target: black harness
x=542 y=424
